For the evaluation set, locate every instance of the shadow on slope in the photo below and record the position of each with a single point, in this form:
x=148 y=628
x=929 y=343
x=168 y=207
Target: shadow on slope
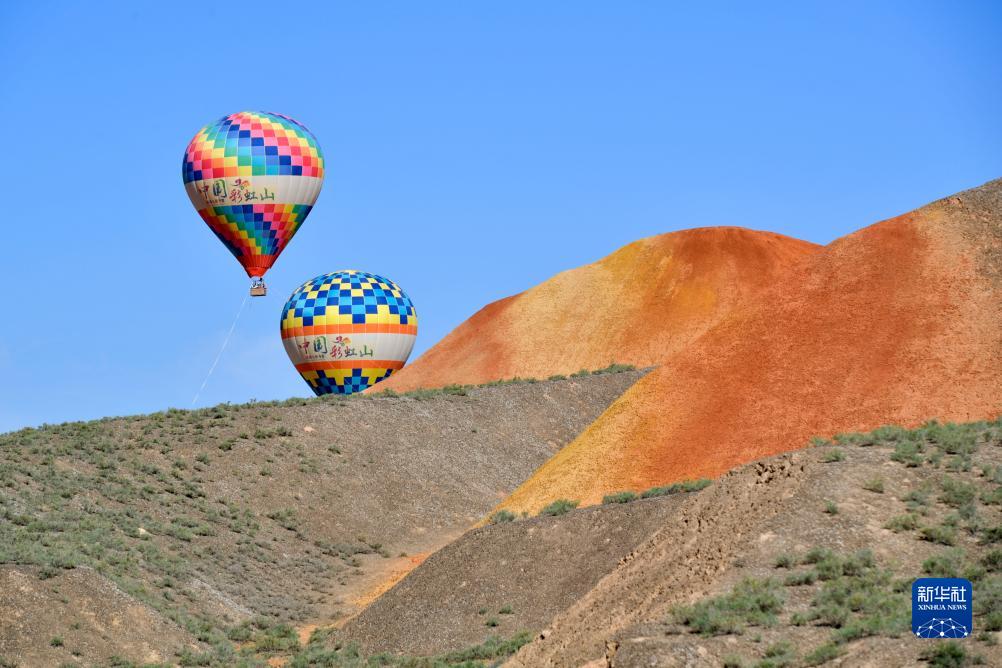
x=504 y=578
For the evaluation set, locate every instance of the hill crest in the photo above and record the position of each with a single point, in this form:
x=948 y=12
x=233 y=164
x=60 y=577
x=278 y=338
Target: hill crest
x=895 y=323
x=646 y=300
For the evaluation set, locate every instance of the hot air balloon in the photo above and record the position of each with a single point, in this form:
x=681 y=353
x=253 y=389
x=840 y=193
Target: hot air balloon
x=254 y=176
x=348 y=330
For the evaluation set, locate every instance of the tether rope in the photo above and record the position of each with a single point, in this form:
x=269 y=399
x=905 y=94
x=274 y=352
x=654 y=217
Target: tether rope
x=219 y=355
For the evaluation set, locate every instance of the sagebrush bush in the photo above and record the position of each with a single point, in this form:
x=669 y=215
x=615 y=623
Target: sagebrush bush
x=559 y=507
x=677 y=488
x=833 y=456
x=502 y=516
x=619 y=497
x=751 y=603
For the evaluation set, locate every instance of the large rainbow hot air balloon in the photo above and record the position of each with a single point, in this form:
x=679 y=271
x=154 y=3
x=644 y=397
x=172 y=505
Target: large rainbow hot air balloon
x=254 y=177
x=348 y=330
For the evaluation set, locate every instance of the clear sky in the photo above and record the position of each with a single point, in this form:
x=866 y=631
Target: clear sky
x=473 y=150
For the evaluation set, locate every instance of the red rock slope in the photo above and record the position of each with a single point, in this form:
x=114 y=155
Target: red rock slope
x=644 y=302
x=896 y=323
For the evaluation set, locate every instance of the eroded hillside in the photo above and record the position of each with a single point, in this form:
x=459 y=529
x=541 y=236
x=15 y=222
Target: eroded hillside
x=505 y=578
x=894 y=324
x=274 y=513
x=802 y=559
x=806 y=558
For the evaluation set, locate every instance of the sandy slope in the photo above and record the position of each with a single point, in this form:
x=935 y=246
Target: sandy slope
x=896 y=323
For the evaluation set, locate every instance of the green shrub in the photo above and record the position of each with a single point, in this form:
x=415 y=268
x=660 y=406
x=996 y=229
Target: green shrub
x=988 y=604
x=833 y=456
x=695 y=485
x=831 y=508
x=823 y=654
x=751 y=603
x=901 y=523
x=944 y=564
x=559 y=507
x=853 y=438
x=619 y=497
x=800 y=579
x=908 y=453
x=240 y=633
x=957 y=493
x=188 y=658
x=992 y=561
x=783 y=561
x=875 y=485
x=946 y=654
x=990 y=535
x=831 y=566
x=492 y=648
x=859 y=606
x=950 y=438
x=891 y=433
x=943 y=535
x=280 y=638
x=502 y=516
x=816 y=555
x=992 y=498
x=916 y=498
x=778 y=655
x=677 y=488
x=614 y=368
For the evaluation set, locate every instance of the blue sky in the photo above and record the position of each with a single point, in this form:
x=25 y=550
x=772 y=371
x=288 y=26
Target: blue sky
x=473 y=150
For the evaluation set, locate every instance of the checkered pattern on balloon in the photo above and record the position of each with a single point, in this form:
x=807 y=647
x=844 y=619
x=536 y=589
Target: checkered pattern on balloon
x=254 y=178
x=348 y=330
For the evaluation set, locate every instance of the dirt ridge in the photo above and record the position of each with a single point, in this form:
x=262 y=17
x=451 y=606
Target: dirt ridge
x=502 y=579
x=695 y=547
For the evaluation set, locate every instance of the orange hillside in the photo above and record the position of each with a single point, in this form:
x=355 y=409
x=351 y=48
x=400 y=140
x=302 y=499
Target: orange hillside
x=645 y=301
x=896 y=323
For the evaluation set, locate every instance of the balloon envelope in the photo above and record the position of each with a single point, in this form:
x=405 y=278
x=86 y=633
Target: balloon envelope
x=348 y=330
x=254 y=176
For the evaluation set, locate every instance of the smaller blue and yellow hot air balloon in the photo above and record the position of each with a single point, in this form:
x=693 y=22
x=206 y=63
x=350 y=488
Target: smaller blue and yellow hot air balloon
x=348 y=330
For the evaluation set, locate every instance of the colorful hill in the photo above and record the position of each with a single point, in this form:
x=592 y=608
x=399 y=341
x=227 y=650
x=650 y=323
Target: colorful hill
x=644 y=302
x=896 y=323
x=762 y=342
